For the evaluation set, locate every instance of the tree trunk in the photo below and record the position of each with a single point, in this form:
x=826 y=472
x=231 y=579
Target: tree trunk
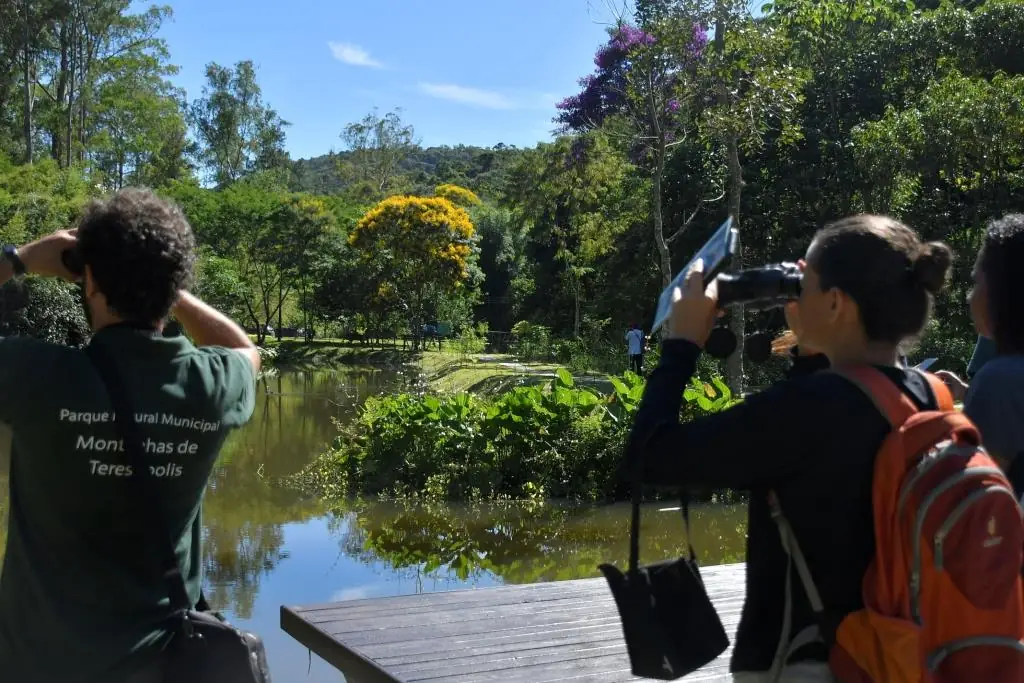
x=305 y=309
x=73 y=67
x=664 y=255
x=734 y=364
x=57 y=139
x=83 y=70
x=576 y=317
x=280 y=308
x=27 y=75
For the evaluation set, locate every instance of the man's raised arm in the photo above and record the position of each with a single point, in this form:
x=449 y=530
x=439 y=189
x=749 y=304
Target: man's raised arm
x=209 y=327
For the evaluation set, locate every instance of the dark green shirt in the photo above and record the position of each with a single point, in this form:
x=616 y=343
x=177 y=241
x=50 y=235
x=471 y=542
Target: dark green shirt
x=81 y=593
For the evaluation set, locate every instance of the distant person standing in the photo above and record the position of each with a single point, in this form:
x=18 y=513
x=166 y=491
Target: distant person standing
x=635 y=340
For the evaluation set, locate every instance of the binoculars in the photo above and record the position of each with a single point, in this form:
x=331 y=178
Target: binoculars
x=72 y=260
x=761 y=288
x=758 y=289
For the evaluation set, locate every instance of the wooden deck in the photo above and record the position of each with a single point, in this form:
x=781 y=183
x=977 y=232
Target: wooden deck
x=536 y=633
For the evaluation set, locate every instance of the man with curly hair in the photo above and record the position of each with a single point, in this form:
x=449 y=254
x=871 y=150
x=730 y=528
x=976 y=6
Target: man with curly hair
x=82 y=593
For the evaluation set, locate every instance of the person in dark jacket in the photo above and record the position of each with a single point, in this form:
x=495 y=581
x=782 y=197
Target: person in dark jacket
x=868 y=285
x=994 y=400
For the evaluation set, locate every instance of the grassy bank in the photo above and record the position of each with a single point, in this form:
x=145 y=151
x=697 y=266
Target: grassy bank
x=329 y=352
x=446 y=370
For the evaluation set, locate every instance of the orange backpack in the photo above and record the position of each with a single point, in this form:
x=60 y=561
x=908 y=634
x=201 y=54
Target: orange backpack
x=943 y=595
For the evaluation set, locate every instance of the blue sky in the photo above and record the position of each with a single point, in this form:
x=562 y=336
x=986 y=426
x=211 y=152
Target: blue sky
x=464 y=71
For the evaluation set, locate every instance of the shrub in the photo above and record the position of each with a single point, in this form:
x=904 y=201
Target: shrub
x=533 y=341
x=472 y=339
x=552 y=441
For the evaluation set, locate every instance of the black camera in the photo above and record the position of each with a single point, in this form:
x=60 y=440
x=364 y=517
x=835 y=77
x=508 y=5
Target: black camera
x=72 y=260
x=761 y=288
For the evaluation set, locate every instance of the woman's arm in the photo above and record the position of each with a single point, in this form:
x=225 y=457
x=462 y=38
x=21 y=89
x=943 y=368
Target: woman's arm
x=766 y=438
x=994 y=405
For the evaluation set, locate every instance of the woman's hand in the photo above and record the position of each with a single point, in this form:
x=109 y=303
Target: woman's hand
x=694 y=307
x=957 y=387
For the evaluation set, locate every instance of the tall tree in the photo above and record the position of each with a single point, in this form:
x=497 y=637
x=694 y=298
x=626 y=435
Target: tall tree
x=643 y=83
x=238 y=132
x=422 y=248
x=573 y=199
x=377 y=146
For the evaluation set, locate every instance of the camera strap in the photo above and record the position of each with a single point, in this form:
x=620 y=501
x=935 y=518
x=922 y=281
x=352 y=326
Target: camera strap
x=143 y=485
x=634 y=526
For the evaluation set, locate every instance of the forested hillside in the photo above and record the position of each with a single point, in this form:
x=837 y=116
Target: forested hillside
x=695 y=109
x=483 y=170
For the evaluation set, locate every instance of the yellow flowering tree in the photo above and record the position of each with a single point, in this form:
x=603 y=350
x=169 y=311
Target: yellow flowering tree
x=457 y=195
x=420 y=249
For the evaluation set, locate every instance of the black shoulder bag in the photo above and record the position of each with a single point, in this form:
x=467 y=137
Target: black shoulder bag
x=204 y=647
x=669 y=623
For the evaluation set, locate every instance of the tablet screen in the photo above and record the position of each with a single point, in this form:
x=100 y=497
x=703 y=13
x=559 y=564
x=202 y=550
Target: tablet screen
x=716 y=252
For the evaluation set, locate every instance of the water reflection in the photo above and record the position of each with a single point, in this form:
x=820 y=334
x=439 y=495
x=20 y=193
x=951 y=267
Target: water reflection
x=529 y=543
x=266 y=546
x=245 y=513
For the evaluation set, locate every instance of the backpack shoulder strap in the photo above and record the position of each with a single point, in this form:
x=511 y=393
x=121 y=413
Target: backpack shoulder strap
x=887 y=397
x=943 y=398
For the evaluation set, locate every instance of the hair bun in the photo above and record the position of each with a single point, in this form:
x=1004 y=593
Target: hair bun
x=931 y=266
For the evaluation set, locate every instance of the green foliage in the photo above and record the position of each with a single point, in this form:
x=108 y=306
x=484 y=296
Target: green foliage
x=34 y=201
x=484 y=170
x=815 y=109
x=420 y=254
x=377 y=146
x=558 y=440
x=532 y=341
x=472 y=339
x=239 y=134
x=43 y=308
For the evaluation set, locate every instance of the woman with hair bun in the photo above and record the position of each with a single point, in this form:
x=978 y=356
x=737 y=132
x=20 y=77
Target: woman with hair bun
x=868 y=285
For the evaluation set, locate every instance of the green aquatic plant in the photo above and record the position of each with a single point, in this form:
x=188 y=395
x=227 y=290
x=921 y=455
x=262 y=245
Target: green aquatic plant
x=556 y=440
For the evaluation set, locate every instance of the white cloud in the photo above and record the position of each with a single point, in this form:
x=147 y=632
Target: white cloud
x=474 y=97
x=353 y=593
x=353 y=54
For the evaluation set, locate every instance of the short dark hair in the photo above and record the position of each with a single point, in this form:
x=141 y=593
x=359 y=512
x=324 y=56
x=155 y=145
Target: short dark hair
x=1001 y=261
x=141 y=251
x=884 y=267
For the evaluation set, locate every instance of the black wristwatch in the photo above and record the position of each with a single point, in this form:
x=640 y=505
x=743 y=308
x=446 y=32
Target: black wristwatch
x=11 y=254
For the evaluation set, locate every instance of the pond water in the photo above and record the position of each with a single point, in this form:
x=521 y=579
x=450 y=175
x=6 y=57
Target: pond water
x=266 y=545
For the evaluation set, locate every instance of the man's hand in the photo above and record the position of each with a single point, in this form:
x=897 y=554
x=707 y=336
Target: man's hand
x=957 y=387
x=44 y=256
x=694 y=307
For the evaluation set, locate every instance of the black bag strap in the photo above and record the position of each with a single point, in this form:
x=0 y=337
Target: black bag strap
x=146 y=492
x=634 y=527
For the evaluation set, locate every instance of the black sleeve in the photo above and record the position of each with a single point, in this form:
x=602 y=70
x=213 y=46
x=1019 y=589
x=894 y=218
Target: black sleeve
x=764 y=439
x=805 y=365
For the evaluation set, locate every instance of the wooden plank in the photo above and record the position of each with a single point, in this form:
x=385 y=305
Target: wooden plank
x=536 y=633
x=446 y=624
x=350 y=662
x=714 y=577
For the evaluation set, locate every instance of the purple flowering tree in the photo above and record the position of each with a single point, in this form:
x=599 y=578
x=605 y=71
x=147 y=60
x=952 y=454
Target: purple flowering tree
x=644 y=81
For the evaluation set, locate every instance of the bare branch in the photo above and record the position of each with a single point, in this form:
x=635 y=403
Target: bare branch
x=45 y=90
x=693 y=216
